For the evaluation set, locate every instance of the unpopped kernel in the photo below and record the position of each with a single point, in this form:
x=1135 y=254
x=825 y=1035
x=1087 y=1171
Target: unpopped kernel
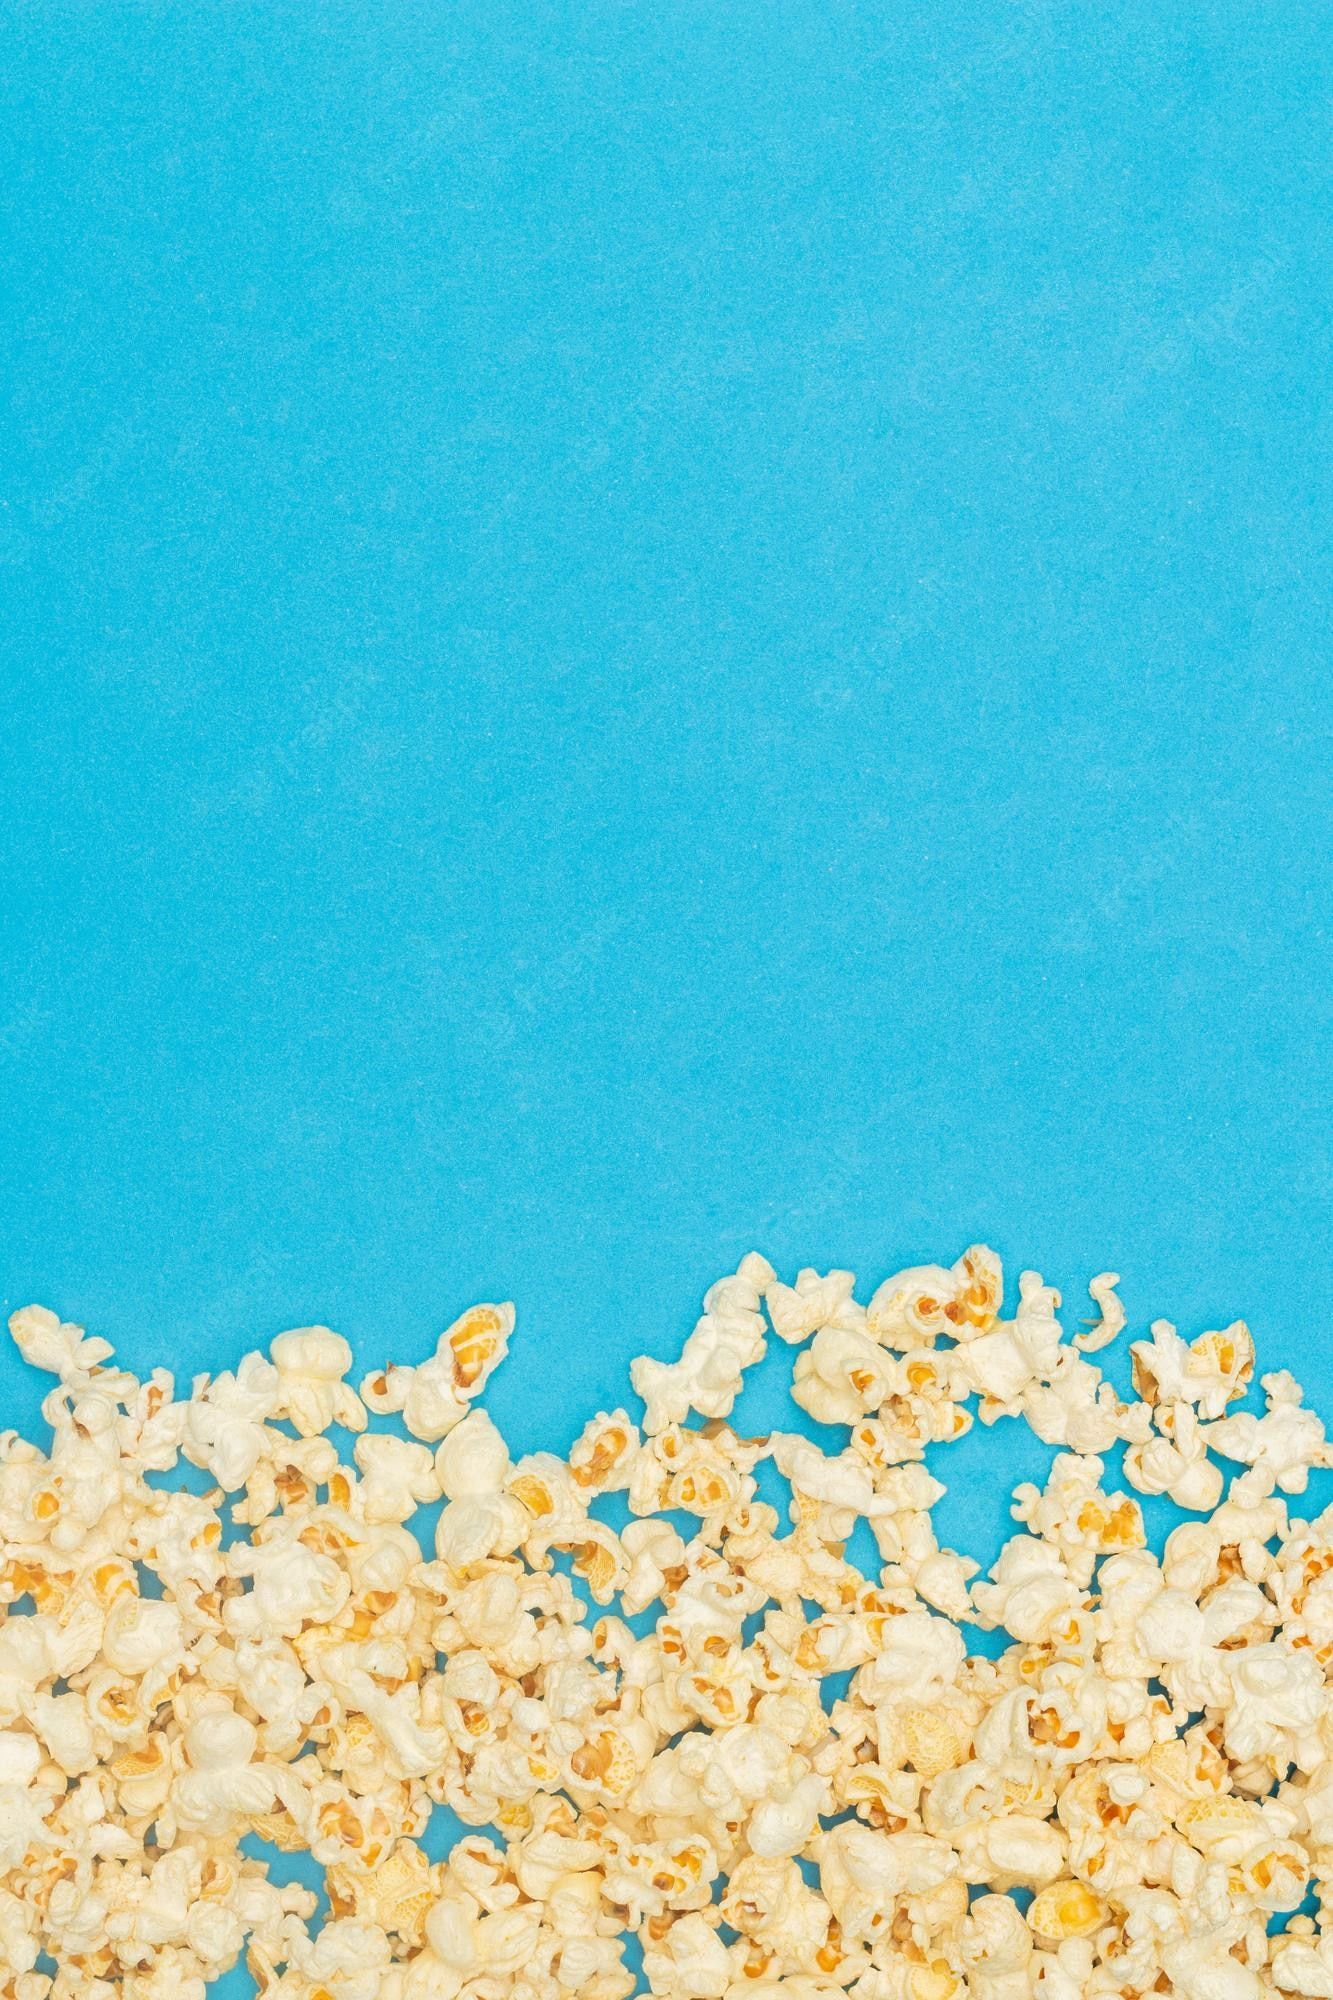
x=1135 y=1797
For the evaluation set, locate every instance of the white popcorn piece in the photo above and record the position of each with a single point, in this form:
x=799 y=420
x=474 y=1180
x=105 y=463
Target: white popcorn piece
x=292 y=1585
x=56 y=1347
x=996 y=1949
x=397 y=1477
x=811 y=1304
x=1287 y=1442
x=436 y=1394
x=918 y=1306
x=311 y=1362
x=1031 y=1592
x=843 y=1375
x=690 y=1963
x=1016 y=1355
x=708 y=1376
x=1111 y=1322
x=603 y=1457
x=1207 y=1373
x=225 y=1422
x=842 y=1484
x=481 y=1518
x=861 y=1872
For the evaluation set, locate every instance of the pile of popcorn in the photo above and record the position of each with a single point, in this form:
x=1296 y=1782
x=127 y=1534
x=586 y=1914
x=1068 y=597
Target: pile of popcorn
x=782 y=1778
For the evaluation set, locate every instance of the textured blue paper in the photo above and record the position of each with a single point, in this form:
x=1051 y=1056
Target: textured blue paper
x=641 y=631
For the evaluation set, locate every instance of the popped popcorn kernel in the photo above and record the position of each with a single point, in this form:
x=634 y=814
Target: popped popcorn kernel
x=1065 y=1910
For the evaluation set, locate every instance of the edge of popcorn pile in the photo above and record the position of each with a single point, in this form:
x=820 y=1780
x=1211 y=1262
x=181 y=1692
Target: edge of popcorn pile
x=1149 y=1759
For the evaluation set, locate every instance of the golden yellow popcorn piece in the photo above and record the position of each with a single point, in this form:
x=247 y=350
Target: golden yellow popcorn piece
x=474 y=1341
x=1065 y=1910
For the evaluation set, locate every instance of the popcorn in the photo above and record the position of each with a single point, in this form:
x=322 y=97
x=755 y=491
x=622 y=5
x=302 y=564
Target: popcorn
x=1176 y=1462
x=842 y=1486
x=918 y=1306
x=843 y=1375
x=1016 y=1355
x=602 y=1459
x=481 y=1518
x=1065 y=1909
x=1208 y=1374
x=397 y=1477
x=226 y=1420
x=348 y=1959
x=727 y=1340
x=996 y=1949
x=811 y=1304
x=690 y=1963
x=1074 y=1516
x=1111 y=1321
x=292 y=1585
x=1150 y=1755
x=862 y=1873
x=435 y=1396
x=311 y=1362
x=56 y=1348
x=1287 y=1442
x=1031 y=1592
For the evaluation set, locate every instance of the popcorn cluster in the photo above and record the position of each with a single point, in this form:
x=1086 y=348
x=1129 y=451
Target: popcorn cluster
x=1135 y=1797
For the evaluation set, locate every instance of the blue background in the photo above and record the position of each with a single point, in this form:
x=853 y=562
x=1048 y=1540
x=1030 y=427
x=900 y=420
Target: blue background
x=638 y=631
x=635 y=631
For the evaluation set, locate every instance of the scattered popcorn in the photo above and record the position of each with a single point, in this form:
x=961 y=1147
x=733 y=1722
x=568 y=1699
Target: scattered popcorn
x=1148 y=1758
